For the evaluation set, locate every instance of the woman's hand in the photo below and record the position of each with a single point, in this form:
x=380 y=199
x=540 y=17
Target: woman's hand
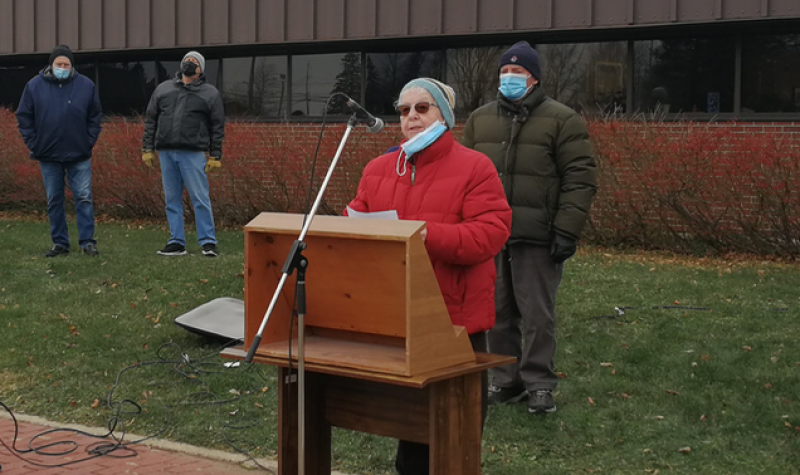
x=424 y=234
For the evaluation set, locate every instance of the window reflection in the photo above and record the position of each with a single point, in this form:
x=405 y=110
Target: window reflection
x=348 y=82
x=313 y=78
x=125 y=88
x=387 y=73
x=14 y=79
x=254 y=86
x=684 y=75
x=474 y=75
x=588 y=77
x=770 y=77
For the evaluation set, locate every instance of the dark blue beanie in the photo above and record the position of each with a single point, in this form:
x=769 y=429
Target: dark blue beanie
x=62 y=50
x=521 y=54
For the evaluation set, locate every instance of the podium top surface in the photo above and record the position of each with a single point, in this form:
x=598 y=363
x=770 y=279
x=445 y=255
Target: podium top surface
x=289 y=223
x=484 y=362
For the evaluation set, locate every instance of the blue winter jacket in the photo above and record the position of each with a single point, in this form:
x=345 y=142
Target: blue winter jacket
x=60 y=119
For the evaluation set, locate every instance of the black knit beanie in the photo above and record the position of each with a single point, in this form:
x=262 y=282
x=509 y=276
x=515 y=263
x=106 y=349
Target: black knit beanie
x=522 y=54
x=62 y=50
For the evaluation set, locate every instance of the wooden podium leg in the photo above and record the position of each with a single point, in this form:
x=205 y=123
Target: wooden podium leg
x=318 y=431
x=455 y=429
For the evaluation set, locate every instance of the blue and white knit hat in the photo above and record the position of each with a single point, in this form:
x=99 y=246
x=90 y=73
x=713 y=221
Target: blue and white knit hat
x=443 y=95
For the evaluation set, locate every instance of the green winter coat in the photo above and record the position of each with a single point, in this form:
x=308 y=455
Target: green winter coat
x=544 y=158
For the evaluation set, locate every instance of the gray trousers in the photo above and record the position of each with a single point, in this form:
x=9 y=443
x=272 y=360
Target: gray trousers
x=525 y=300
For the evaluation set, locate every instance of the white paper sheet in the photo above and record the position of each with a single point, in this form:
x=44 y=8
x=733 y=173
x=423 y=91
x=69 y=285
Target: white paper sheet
x=391 y=214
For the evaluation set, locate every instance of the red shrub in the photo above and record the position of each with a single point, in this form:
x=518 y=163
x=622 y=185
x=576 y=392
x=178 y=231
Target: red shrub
x=728 y=187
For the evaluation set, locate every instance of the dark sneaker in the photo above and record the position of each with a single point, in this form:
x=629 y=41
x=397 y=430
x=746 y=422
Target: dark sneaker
x=210 y=250
x=541 y=402
x=57 y=250
x=501 y=396
x=173 y=249
x=91 y=250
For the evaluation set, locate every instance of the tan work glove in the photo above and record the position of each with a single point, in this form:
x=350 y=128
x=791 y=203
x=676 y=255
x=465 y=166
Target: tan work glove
x=148 y=157
x=213 y=164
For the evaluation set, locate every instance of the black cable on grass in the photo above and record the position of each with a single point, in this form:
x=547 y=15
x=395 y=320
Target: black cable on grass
x=113 y=445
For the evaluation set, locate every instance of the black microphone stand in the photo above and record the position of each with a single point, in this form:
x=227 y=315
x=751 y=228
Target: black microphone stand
x=296 y=260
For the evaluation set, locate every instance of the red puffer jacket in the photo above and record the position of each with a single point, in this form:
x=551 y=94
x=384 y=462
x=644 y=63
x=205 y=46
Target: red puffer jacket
x=456 y=191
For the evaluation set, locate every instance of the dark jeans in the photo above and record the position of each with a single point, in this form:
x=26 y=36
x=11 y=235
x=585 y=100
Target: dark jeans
x=79 y=175
x=525 y=299
x=414 y=458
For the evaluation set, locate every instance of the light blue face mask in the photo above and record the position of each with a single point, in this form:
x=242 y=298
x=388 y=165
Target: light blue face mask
x=513 y=86
x=420 y=142
x=60 y=73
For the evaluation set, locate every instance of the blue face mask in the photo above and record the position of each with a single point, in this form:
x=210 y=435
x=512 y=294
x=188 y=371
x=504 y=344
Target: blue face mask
x=513 y=86
x=419 y=142
x=424 y=139
x=60 y=73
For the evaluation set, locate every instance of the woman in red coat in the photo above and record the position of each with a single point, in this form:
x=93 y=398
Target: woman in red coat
x=458 y=194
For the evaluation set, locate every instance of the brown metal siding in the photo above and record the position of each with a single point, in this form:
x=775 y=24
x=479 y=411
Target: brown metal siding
x=360 y=18
x=243 y=21
x=271 y=21
x=6 y=27
x=138 y=24
x=44 y=29
x=35 y=26
x=215 y=22
x=392 y=18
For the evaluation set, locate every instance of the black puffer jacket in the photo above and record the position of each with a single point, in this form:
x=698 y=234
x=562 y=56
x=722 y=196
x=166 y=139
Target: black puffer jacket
x=185 y=117
x=544 y=157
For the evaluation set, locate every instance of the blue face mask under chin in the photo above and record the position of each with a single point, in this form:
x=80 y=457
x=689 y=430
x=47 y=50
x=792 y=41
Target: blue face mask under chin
x=420 y=142
x=61 y=73
x=513 y=86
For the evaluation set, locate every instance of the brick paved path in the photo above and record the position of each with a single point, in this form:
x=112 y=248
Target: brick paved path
x=160 y=458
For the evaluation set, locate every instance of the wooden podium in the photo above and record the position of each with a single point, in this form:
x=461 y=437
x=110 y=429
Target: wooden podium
x=381 y=354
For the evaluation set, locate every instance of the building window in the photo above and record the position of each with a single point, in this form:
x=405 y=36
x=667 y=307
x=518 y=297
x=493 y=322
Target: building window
x=125 y=88
x=588 y=77
x=770 y=77
x=474 y=75
x=255 y=86
x=315 y=78
x=387 y=73
x=684 y=75
x=14 y=79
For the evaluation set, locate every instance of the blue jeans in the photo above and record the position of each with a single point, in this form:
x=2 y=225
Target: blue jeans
x=79 y=175
x=181 y=168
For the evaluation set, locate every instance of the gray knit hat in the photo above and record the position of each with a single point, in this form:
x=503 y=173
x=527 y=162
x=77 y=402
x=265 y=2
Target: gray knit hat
x=199 y=57
x=443 y=95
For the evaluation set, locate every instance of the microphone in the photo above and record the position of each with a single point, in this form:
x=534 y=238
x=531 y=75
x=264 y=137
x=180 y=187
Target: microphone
x=374 y=124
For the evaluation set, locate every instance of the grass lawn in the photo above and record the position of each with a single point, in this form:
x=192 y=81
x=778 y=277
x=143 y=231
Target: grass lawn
x=653 y=390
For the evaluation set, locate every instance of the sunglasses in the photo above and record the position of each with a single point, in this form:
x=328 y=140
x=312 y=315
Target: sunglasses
x=420 y=107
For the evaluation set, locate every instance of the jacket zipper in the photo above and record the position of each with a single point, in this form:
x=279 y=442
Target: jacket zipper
x=413 y=173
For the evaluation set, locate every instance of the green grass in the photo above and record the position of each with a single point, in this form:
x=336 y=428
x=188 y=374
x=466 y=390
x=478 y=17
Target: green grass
x=636 y=388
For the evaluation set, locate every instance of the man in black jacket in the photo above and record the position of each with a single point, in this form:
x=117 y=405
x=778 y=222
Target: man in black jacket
x=185 y=119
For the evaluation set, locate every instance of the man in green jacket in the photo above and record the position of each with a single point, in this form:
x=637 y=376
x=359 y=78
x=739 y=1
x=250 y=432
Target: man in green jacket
x=544 y=158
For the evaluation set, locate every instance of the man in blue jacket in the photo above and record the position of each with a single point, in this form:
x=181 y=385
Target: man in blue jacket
x=59 y=118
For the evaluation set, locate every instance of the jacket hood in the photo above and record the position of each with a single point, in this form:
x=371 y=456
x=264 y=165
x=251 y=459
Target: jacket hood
x=200 y=80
